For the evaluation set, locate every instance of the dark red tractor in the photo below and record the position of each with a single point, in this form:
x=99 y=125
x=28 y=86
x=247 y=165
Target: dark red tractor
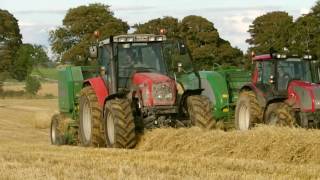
x=284 y=91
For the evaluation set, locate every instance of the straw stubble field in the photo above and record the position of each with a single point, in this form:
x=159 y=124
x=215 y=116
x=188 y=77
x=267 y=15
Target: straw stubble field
x=263 y=153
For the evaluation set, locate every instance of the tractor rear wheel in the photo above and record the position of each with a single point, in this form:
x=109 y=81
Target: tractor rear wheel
x=56 y=135
x=248 y=111
x=200 y=112
x=119 y=124
x=90 y=119
x=280 y=114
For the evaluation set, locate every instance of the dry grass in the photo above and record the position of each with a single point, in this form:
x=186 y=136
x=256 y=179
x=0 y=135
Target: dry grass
x=263 y=143
x=46 y=88
x=263 y=153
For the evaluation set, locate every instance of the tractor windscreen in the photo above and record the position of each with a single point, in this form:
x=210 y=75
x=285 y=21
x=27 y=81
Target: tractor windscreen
x=293 y=69
x=139 y=57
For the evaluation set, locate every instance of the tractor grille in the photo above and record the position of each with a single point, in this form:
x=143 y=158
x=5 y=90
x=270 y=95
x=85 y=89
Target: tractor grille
x=305 y=98
x=163 y=94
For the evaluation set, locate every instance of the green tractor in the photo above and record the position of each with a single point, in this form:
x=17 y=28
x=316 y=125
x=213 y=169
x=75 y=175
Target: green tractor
x=134 y=86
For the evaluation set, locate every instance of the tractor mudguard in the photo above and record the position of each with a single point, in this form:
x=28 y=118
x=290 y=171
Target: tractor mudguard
x=99 y=88
x=260 y=96
x=120 y=95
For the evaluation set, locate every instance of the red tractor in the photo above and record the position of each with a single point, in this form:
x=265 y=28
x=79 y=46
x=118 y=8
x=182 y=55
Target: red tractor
x=284 y=91
x=132 y=88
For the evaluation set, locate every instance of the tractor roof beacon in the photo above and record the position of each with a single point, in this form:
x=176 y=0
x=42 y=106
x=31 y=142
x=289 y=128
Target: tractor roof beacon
x=133 y=87
x=284 y=91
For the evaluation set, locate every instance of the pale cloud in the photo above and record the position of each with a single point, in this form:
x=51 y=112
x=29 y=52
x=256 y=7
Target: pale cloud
x=131 y=8
x=49 y=11
x=23 y=24
x=304 y=11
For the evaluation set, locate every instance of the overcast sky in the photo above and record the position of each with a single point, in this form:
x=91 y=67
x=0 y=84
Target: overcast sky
x=231 y=17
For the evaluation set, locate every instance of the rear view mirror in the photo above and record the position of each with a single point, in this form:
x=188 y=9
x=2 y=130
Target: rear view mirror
x=93 y=51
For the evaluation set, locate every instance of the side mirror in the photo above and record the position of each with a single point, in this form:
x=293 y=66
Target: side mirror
x=179 y=67
x=182 y=48
x=271 y=79
x=93 y=51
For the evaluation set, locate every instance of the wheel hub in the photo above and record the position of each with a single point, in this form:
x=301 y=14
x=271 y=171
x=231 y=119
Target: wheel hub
x=244 y=117
x=110 y=128
x=86 y=121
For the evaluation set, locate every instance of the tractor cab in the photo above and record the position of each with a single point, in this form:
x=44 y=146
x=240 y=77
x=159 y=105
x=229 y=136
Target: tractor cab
x=273 y=74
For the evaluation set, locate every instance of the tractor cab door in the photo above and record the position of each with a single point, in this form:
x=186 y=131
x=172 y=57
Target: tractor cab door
x=104 y=59
x=179 y=64
x=315 y=71
x=265 y=78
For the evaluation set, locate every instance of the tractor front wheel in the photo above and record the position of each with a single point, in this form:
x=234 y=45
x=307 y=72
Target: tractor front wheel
x=200 y=112
x=56 y=136
x=248 y=111
x=90 y=119
x=280 y=114
x=119 y=124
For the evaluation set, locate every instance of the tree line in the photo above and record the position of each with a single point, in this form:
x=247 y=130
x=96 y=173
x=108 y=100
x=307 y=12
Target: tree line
x=72 y=39
x=70 y=42
x=276 y=30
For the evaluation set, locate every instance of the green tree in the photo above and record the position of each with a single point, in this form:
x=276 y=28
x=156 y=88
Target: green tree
x=33 y=85
x=10 y=39
x=39 y=55
x=28 y=56
x=71 y=41
x=304 y=35
x=206 y=46
x=315 y=10
x=270 y=31
x=169 y=24
x=201 y=37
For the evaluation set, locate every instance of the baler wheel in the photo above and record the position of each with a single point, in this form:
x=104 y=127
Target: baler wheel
x=119 y=124
x=248 y=111
x=200 y=112
x=90 y=126
x=56 y=136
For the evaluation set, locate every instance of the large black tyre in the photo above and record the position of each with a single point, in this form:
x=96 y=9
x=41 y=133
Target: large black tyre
x=280 y=114
x=90 y=125
x=200 y=112
x=56 y=135
x=119 y=124
x=248 y=111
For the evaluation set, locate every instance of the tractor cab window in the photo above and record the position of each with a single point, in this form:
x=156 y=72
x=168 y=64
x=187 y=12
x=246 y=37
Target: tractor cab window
x=315 y=69
x=142 y=57
x=264 y=71
x=104 y=56
x=293 y=69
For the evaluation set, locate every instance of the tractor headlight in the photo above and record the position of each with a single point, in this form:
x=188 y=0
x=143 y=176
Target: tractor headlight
x=123 y=39
x=130 y=39
x=162 y=92
x=160 y=38
x=307 y=57
x=152 y=38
